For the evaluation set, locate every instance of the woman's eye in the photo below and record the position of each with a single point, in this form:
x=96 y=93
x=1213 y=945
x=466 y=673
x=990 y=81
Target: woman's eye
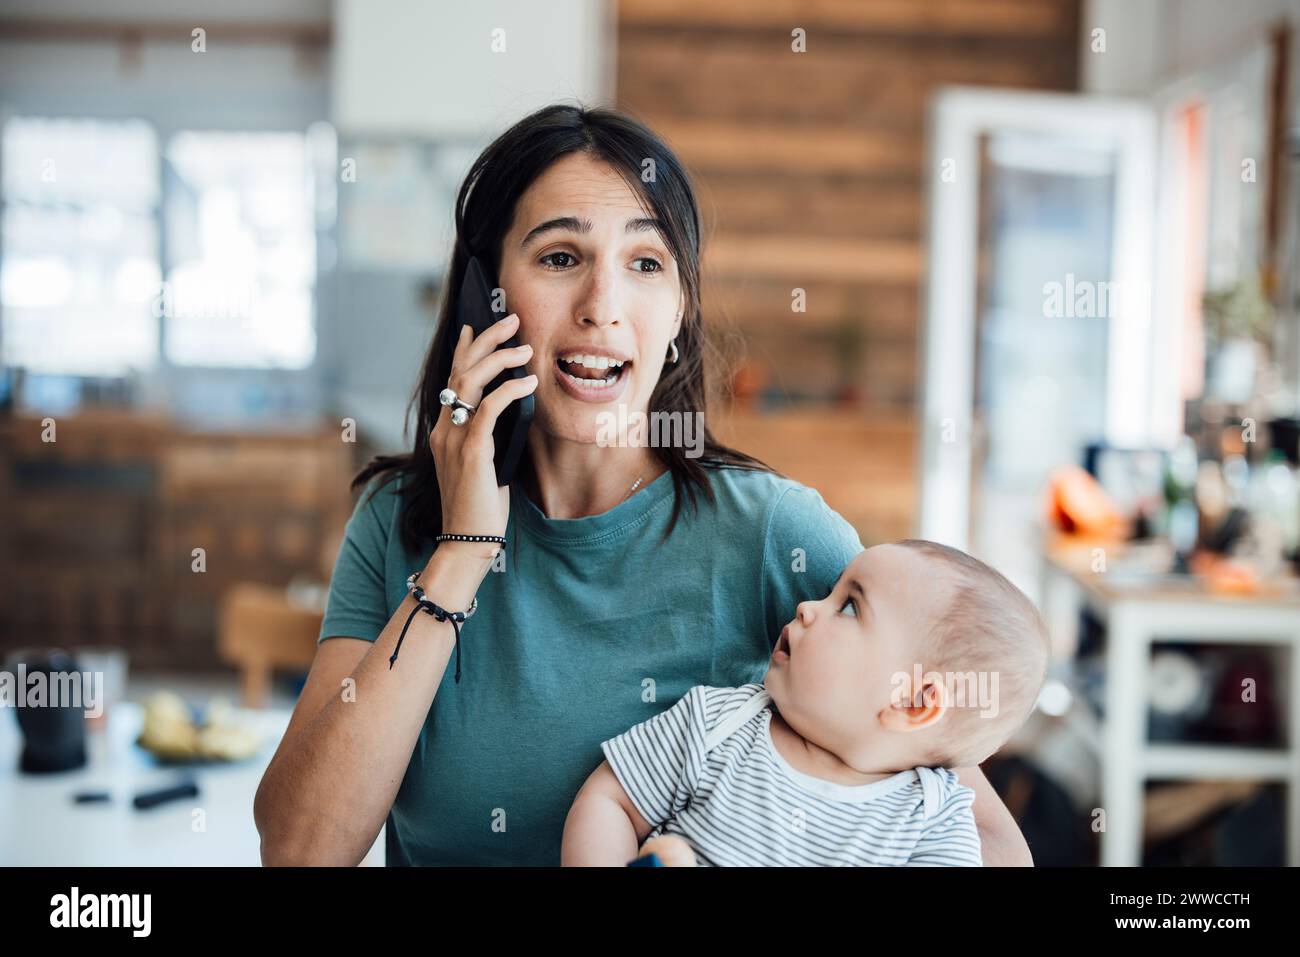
x=549 y=262
x=847 y=603
x=552 y=256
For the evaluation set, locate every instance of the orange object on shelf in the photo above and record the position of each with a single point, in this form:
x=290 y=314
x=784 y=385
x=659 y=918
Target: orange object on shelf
x=1078 y=505
x=1224 y=574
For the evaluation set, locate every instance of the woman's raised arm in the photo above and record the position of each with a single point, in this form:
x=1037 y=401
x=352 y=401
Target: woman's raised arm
x=335 y=775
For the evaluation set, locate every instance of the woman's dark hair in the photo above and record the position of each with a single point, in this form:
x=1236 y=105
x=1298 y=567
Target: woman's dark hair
x=485 y=209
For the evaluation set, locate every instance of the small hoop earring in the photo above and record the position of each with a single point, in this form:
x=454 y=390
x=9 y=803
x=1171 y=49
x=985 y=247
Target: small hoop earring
x=676 y=355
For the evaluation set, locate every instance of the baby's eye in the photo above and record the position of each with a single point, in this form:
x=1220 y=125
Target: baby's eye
x=847 y=603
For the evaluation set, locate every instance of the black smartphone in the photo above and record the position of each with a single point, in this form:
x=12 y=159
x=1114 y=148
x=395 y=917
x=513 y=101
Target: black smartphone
x=475 y=309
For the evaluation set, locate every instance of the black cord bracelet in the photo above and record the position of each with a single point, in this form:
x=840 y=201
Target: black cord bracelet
x=472 y=538
x=429 y=606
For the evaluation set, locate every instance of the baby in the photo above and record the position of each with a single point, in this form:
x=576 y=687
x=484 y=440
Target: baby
x=920 y=659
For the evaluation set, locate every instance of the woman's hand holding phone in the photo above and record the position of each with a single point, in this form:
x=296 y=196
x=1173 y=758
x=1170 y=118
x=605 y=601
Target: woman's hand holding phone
x=472 y=502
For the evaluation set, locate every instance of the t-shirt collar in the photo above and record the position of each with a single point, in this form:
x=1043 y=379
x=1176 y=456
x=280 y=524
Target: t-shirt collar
x=589 y=528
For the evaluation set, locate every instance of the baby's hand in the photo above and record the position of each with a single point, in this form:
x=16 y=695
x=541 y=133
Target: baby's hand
x=671 y=850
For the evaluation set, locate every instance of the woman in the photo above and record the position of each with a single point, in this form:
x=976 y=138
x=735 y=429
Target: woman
x=629 y=573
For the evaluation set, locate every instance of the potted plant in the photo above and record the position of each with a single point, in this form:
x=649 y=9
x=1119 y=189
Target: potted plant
x=1238 y=333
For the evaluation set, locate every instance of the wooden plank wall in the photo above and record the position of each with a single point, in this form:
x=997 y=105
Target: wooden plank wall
x=99 y=550
x=810 y=165
x=809 y=169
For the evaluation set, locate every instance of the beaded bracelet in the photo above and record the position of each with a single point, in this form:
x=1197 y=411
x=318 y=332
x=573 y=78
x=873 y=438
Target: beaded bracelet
x=430 y=607
x=472 y=538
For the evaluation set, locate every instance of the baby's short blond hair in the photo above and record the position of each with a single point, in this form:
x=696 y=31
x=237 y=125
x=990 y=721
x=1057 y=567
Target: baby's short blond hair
x=989 y=627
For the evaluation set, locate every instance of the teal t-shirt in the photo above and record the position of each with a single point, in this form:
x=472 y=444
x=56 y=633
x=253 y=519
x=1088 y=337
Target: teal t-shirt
x=593 y=625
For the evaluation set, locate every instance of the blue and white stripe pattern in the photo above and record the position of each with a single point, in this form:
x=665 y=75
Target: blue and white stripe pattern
x=706 y=769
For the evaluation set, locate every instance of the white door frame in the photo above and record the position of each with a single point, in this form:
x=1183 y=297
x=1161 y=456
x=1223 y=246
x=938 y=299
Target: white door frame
x=958 y=118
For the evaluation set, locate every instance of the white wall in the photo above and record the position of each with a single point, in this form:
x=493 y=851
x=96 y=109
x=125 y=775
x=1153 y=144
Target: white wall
x=1150 y=43
x=401 y=66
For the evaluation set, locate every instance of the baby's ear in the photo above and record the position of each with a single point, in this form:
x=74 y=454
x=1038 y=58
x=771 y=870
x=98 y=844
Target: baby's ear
x=922 y=710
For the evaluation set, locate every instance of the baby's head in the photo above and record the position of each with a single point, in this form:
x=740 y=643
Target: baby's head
x=920 y=655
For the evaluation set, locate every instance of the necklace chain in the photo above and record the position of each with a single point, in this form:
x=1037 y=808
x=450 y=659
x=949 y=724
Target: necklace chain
x=635 y=486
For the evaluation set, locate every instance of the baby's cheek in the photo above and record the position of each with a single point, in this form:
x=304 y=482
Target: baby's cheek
x=866 y=671
x=833 y=673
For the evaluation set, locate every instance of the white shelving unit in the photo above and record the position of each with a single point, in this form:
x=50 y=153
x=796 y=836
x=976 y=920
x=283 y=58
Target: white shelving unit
x=1136 y=616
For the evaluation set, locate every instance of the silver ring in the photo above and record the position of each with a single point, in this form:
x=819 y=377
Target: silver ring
x=461 y=411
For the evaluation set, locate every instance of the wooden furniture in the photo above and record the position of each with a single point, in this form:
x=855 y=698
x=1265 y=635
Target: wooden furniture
x=128 y=528
x=264 y=509
x=260 y=630
x=1137 y=611
x=81 y=521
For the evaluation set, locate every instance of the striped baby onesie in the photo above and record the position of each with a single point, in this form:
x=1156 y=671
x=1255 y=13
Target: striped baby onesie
x=706 y=769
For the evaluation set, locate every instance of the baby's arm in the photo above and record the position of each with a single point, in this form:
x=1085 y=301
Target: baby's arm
x=604 y=828
x=610 y=818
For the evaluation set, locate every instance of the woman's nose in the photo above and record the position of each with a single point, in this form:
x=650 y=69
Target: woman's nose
x=805 y=613
x=600 y=305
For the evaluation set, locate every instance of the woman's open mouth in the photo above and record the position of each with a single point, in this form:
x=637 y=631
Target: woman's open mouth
x=593 y=378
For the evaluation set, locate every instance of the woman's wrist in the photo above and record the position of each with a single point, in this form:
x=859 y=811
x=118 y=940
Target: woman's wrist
x=455 y=571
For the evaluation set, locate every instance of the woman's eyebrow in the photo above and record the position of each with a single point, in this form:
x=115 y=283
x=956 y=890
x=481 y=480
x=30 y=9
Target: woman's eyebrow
x=574 y=224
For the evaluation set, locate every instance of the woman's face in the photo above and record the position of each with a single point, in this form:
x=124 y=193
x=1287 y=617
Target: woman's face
x=589 y=277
